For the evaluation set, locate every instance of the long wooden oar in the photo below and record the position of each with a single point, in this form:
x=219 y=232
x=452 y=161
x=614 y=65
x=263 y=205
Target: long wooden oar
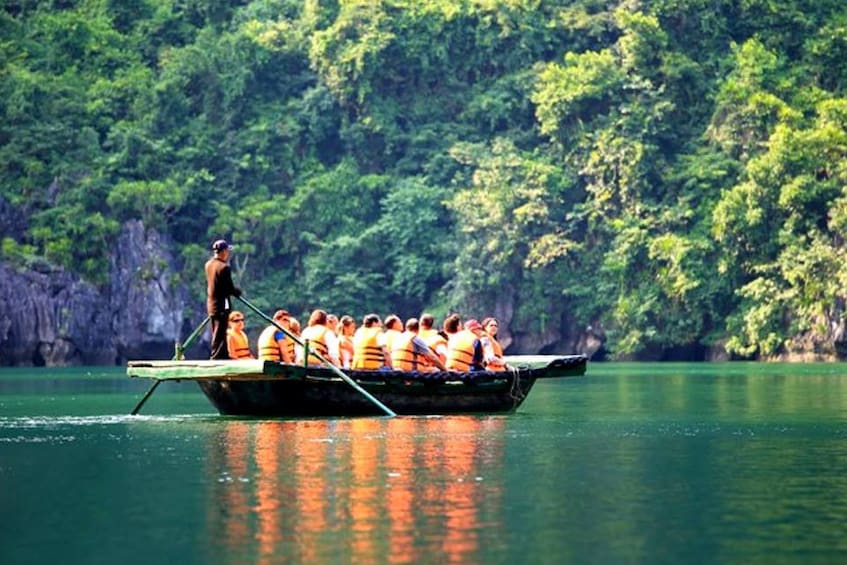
x=177 y=355
x=328 y=363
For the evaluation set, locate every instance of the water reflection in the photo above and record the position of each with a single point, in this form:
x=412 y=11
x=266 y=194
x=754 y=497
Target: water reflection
x=400 y=490
x=645 y=464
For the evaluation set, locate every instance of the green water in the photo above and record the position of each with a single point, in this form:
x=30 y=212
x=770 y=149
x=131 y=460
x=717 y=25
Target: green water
x=676 y=463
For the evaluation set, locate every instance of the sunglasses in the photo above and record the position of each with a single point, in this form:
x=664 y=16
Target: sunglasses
x=238 y=319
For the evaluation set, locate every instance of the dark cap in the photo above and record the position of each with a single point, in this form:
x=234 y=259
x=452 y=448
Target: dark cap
x=221 y=245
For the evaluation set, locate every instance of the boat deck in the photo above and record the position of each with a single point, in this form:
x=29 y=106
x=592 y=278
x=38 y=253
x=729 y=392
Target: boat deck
x=254 y=369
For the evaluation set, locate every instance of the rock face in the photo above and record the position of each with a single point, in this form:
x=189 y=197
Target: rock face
x=146 y=304
x=562 y=336
x=50 y=317
x=568 y=339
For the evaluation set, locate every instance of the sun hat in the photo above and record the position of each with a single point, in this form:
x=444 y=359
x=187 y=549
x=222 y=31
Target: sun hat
x=473 y=325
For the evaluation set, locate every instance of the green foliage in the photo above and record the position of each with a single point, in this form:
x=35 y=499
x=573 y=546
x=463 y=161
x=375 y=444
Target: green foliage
x=671 y=172
x=153 y=201
x=76 y=240
x=507 y=221
x=416 y=231
x=781 y=228
x=20 y=255
x=340 y=276
x=748 y=105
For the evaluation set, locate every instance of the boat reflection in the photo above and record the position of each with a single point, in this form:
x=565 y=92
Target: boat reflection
x=400 y=490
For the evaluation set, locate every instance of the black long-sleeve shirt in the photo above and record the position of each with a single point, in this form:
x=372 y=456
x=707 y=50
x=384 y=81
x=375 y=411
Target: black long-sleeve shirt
x=219 y=286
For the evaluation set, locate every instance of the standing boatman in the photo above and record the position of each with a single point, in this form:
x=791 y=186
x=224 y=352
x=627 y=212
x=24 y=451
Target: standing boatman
x=219 y=288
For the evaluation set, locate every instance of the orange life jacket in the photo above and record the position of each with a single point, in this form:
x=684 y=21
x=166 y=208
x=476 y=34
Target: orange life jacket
x=497 y=365
x=289 y=344
x=241 y=349
x=268 y=346
x=405 y=358
x=460 y=350
x=367 y=353
x=433 y=339
x=317 y=342
x=390 y=336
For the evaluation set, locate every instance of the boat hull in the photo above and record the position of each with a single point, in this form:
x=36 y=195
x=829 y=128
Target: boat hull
x=271 y=389
x=311 y=397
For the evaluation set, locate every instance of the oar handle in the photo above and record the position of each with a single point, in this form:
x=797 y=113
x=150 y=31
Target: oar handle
x=181 y=347
x=332 y=366
x=267 y=318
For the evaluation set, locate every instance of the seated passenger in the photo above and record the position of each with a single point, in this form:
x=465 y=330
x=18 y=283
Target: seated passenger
x=369 y=350
x=433 y=338
x=321 y=340
x=452 y=324
x=410 y=353
x=347 y=327
x=491 y=349
x=294 y=324
x=393 y=329
x=273 y=344
x=236 y=339
x=332 y=323
x=464 y=349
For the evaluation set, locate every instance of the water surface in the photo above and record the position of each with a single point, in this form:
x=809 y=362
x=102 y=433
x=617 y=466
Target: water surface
x=635 y=463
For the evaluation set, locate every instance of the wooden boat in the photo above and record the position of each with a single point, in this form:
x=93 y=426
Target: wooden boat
x=268 y=388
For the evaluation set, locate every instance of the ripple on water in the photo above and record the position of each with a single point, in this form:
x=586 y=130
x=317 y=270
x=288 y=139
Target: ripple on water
x=38 y=439
x=35 y=422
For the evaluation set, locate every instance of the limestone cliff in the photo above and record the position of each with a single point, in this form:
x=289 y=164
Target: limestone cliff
x=49 y=316
x=558 y=333
x=146 y=304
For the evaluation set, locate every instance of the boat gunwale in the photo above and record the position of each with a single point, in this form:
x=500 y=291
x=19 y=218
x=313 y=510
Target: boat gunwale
x=261 y=370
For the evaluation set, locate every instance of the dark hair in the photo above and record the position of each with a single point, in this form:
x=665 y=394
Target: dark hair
x=317 y=318
x=346 y=320
x=412 y=325
x=427 y=321
x=393 y=320
x=451 y=323
x=370 y=320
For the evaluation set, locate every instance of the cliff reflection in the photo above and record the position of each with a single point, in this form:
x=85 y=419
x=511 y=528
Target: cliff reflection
x=367 y=490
